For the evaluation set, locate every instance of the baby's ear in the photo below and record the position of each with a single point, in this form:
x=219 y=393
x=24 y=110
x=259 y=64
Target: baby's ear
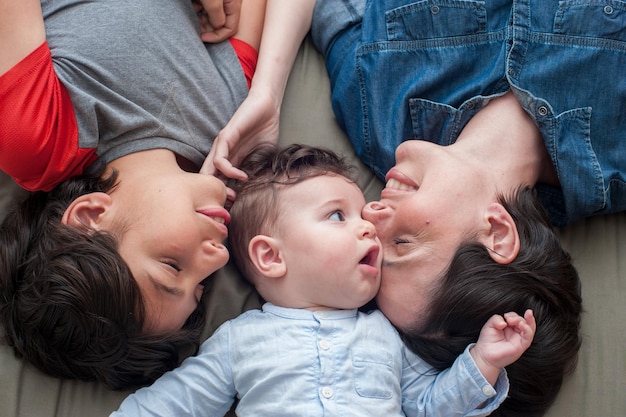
x=87 y=212
x=502 y=238
x=265 y=254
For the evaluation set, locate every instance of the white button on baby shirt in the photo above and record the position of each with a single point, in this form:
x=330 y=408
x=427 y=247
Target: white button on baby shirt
x=324 y=344
x=488 y=390
x=327 y=392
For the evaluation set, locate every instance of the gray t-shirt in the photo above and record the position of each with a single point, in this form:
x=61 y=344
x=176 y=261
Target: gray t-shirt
x=140 y=78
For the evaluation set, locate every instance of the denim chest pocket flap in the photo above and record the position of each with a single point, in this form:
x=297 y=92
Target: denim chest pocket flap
x=593 y=19
x=427 y=20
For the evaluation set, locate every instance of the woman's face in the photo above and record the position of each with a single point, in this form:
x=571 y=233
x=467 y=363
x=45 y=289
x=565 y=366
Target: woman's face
x=432 y=202
x=173 y=241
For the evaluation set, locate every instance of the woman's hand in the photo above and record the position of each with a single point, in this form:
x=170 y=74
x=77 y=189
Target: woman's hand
x=255 y=121
x=219 y=19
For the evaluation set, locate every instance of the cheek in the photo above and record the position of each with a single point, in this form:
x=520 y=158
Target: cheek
x=403 y=297
x=169 y=317
x=392 y=299
x=394 y=307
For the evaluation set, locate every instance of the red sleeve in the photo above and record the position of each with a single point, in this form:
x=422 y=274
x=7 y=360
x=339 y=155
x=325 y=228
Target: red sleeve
x=248 y=57
x=38 y=130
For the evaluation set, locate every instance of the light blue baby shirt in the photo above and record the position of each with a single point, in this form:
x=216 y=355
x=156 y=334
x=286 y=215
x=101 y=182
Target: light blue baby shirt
x=287 y=362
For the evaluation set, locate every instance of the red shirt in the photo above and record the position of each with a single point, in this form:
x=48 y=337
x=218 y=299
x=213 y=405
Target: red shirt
x=38 y=131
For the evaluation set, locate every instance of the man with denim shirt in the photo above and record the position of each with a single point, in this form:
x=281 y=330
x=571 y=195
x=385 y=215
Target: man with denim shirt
x=421 y=70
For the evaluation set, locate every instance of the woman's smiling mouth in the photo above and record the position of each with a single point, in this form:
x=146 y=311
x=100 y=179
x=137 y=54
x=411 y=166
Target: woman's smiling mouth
x=396 y=180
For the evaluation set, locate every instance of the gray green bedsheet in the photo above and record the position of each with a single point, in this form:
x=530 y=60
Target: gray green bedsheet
x=598 y=246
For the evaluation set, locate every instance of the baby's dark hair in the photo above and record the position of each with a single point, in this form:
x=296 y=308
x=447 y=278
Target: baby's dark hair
x=69 y=303
x=270 y=169
x=542 y=278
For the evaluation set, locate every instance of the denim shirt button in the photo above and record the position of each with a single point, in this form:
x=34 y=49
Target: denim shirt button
x=434 y=9
x=608 y=9
x=543 y=110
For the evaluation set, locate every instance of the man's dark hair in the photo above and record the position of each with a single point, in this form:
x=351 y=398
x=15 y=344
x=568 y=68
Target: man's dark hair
x=475 y=287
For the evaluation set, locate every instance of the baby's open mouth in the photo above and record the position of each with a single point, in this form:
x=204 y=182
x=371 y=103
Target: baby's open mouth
x=371 y=257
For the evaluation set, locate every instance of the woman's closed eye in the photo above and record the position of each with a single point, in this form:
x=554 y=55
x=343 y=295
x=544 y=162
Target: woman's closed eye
x=400 y=241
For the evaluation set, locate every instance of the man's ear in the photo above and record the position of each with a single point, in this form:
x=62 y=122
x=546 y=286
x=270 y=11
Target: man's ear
x=87 y=212
x=265 y=254
x=502 y=239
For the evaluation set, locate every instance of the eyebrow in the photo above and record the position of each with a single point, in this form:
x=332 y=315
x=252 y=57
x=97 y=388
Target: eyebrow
x=333 y=202
x=164 y=288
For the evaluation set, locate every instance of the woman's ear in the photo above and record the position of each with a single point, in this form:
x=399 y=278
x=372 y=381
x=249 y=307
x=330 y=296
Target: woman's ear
x=502 y=239
x=265 y=254
x=87 y=212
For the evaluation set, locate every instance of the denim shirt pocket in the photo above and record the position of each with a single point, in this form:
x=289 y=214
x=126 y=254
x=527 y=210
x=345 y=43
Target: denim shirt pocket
x=373 y=373
x=569 y=144
x=427 y=20
x=592 y=19
x=440 y=123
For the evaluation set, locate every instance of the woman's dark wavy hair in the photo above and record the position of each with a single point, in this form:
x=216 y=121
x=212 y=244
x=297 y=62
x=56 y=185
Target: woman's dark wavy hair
x=475 y=287
x=69 y=303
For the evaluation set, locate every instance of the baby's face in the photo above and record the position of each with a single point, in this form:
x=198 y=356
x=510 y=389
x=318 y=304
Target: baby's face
x=333 y=255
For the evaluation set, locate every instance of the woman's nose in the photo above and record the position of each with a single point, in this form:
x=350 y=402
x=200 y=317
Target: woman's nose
x=375 y=211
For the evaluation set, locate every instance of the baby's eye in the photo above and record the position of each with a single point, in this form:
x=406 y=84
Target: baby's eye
x=337 y=216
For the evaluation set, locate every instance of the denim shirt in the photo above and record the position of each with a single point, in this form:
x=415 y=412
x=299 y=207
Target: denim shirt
x=421 y=69
x=286 y=362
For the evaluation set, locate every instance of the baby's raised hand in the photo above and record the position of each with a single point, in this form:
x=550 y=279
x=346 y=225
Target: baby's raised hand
x=502 y=340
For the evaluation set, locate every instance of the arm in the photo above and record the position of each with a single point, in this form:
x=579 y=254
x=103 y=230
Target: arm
x=471 y=386
x=38 y=134
x=257 y=119
x=502 y=341
x=459 y=391
x=21 y=31
x=202 y=386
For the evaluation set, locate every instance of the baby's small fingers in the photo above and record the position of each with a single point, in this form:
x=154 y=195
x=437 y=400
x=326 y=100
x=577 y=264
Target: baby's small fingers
x=512 y=318
x=529 y=317
x=497 y=321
